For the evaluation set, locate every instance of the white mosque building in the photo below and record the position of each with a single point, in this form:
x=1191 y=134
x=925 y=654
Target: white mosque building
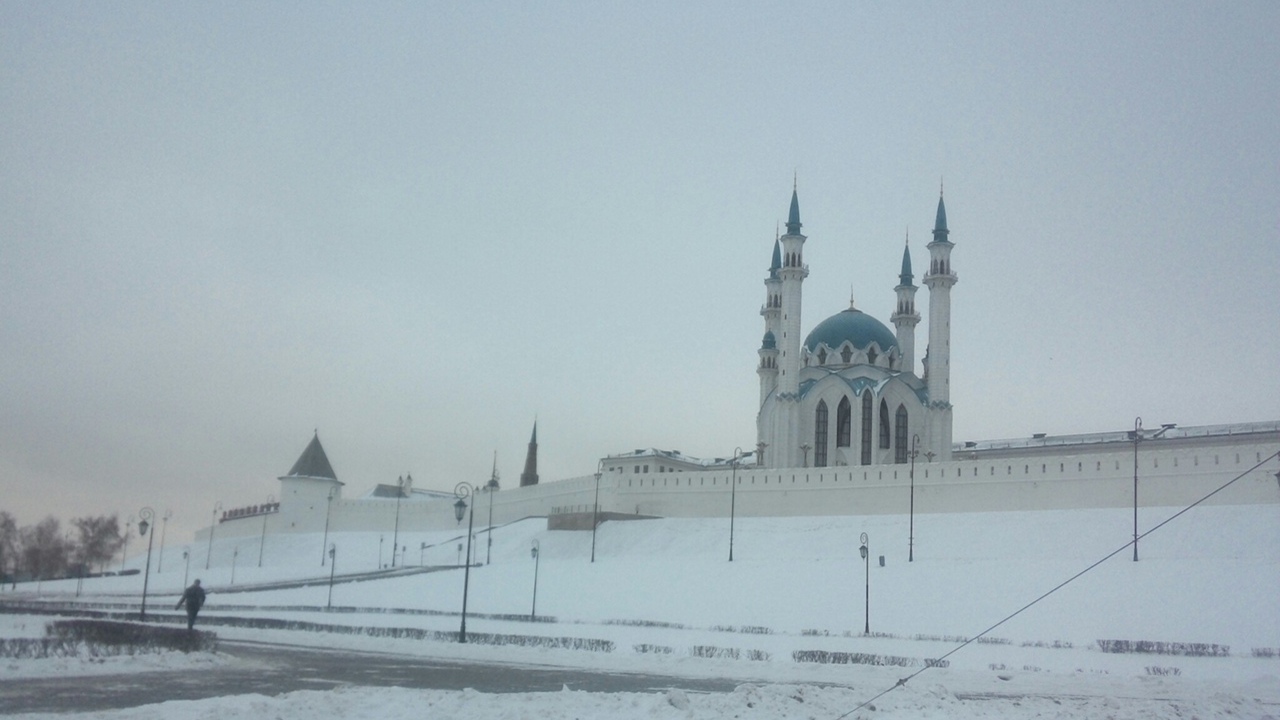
x=849 y=395
x=845 y=427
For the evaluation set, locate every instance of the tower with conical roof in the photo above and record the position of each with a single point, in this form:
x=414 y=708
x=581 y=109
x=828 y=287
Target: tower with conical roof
x=905 y=318
x=309 y=489
x=530 y=474
x=939 y=280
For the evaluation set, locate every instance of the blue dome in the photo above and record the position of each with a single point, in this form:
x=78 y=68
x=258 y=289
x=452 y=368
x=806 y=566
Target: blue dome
x=853 y=326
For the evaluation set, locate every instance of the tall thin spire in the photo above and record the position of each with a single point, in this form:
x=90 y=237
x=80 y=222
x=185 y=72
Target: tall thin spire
x=940 y=231
x=530 y=474
x=905 y=277
x=793 y=217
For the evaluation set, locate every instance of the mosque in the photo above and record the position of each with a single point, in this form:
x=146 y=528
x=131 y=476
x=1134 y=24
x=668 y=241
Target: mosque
x=843 y=423
x=849 y=392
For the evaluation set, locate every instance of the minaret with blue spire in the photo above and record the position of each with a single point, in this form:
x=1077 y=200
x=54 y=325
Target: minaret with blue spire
x=905 y=318
x=939 y=280
x=772 y=312
x=785 y=443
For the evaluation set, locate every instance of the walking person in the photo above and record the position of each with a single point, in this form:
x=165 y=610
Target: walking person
x=193 y=598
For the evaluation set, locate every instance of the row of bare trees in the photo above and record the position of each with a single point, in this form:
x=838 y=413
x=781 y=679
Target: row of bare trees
x=45 y=550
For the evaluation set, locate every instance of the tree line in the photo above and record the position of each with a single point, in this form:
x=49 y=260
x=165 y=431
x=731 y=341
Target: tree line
x=46 y=550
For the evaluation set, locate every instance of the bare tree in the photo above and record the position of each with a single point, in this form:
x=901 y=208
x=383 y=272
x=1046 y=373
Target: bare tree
x=43 y=549
x=99 y=541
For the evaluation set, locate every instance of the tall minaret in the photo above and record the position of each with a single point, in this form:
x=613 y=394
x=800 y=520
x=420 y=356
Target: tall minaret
x=786 y=441
x=939 y=280
x=772 y=312
x=530 y=474
x=905 y=317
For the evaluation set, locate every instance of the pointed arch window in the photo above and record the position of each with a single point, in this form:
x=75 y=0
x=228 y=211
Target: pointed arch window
x=820 y=435
x=871 y=356
x=900 y=435
x=846 y=354
x=844 y=423
x=868 y=417
x=884 y=425
x=822 y=356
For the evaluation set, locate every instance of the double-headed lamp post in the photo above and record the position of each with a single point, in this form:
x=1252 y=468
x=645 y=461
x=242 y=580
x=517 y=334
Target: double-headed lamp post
x=463 y=491
x=1137 y=438
x=212 y=526
x=147 y=515
x=911 y=533
x=866 y=568
x=533 y=612
x=733 y=497
x=595 y=510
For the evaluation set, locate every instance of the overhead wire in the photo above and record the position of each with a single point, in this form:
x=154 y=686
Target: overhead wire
x=938 y=661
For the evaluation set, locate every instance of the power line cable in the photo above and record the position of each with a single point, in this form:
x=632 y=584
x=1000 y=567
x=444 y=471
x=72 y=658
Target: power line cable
x=934 y=663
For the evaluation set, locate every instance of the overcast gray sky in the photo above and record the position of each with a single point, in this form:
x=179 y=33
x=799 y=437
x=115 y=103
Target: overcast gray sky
x=418 y=227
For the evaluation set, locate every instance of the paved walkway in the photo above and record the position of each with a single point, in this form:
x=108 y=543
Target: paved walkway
x=277 y=669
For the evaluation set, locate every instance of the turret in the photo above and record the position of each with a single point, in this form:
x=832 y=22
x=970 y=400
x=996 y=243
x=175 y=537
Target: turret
x=905 y=318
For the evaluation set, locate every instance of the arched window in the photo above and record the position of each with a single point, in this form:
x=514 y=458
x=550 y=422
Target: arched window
x=820 y=435
x=868 y=418
x=844 y=423
x=822 y=356
x=900 y=436
x=871 y=356
x=846 y=354
x=884 y=425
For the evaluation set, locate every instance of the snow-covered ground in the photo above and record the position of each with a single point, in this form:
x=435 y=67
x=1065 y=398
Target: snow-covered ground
x=664 y=594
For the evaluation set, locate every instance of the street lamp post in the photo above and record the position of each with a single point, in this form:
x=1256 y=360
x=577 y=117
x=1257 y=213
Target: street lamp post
x=805 y=448
x=911 y=533
x=395 y=533
x=463 y=491
x=234 y=555
x=866 y=602
x=328 y=508
x=147 y=515
x=489 y=489
x=533 y=612
x=595 y=507
x=262 y=543
x=124 y=550
x=186 y=571
x=1137 y=438
x=212 y=526
x=381 y=539
x=164 y=530
x=733 y=497
x=333 y=564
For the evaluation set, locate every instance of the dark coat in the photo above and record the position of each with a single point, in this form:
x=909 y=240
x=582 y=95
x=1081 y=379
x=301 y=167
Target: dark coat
x=193 y=598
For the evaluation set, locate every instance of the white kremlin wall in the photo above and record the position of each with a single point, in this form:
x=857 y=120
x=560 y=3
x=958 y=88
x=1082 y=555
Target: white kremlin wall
x=1168 y=475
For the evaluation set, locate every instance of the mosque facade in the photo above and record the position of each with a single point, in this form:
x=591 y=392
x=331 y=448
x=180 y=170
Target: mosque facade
x=848 y=394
